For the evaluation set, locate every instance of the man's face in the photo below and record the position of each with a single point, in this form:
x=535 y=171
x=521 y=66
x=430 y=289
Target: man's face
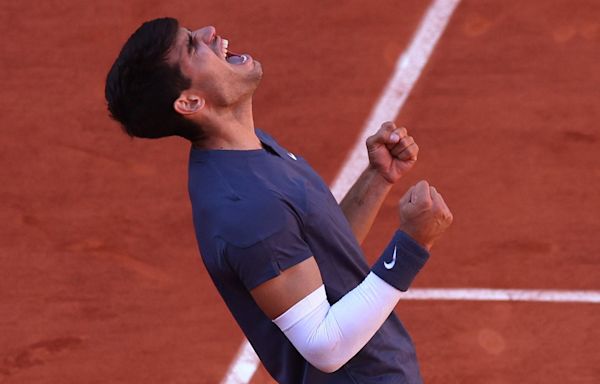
x=220 y=77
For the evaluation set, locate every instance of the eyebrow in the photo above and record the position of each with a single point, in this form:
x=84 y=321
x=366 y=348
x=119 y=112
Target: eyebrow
x=188 y=40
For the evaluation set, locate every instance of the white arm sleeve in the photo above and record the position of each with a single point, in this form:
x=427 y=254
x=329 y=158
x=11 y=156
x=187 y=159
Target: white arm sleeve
x=328 y=336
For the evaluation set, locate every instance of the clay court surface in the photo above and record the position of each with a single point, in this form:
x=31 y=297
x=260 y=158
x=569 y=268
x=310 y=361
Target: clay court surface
x=101 y=280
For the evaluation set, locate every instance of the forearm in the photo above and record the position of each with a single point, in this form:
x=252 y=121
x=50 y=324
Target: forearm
x=327 y=335
x=363 y=201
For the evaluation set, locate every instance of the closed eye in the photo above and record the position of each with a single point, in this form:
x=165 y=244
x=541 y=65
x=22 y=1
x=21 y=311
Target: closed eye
x=190 y=44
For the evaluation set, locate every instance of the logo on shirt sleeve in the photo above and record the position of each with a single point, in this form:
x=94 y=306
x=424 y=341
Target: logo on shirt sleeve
x=290 y=154
x=391 y=264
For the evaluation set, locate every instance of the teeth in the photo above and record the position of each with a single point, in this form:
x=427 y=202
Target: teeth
x=225 y=45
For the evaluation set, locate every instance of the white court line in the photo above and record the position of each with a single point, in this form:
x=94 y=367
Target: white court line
x=246 y=362
x=484 y=294
x=243 y=366
x=407 y=71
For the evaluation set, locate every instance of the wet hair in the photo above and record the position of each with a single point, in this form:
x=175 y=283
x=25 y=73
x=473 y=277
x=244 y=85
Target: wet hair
x=141 y=86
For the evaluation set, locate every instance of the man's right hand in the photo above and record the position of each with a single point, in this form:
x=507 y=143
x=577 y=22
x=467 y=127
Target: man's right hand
x=424 y=215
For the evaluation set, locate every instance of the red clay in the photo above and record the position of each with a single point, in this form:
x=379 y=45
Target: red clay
x=102 y=281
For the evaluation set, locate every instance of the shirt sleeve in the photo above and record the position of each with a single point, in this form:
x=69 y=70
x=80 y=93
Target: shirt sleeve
x=266 y=257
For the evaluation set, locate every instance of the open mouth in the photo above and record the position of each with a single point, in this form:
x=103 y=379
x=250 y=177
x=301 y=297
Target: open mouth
x=232 y=57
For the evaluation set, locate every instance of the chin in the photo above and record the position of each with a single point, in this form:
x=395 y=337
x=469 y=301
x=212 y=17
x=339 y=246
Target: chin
x=257 y=74
x=258 y=69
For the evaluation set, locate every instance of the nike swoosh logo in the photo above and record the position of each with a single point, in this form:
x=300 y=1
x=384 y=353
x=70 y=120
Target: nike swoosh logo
x=391 y=264
x=290 y=154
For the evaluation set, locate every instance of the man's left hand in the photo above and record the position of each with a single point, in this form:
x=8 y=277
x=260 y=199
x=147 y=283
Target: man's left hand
x=391 y=151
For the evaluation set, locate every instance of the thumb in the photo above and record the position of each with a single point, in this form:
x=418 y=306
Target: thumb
x=405 y=199
x=422 y=194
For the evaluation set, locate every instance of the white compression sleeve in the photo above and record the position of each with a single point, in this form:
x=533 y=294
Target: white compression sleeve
x=328 y=336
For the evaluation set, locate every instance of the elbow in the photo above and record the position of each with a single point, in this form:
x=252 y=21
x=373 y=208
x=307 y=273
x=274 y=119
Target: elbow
x=327 y=367
x=326 y=359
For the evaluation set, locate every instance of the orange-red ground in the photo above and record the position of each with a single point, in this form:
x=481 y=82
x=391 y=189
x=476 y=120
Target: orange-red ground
x=101 y=280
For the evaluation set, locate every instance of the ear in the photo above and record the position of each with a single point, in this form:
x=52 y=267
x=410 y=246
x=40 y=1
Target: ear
x=188 y=104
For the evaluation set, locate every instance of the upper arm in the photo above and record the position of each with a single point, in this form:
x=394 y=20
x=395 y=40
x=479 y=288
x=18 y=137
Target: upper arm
x=277 y=295
x=264 y=245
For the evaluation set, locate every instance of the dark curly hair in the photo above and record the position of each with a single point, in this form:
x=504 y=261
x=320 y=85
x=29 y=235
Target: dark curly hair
x=141 y=86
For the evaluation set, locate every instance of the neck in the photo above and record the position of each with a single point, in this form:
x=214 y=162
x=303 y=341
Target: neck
x=231 y=128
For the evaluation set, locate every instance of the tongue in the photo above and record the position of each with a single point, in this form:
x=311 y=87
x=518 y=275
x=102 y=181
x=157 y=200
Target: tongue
x=235 y=59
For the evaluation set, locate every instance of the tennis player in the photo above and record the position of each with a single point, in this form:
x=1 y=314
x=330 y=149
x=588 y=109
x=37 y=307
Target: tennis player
x=284 y=255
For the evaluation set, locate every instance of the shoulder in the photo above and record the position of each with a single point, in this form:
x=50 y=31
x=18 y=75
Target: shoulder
x=244 y=222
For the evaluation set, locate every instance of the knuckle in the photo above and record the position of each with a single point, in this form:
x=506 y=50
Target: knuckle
x=387 y=125
x=445 y=215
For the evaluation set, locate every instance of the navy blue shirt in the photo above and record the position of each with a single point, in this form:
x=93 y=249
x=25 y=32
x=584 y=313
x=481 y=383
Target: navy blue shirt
x=259 y=212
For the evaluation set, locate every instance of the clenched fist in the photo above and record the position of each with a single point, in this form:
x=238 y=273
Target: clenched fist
x=424 y=215
x=391 y=151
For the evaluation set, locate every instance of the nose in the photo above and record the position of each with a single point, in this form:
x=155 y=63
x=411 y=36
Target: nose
x=206 y=34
